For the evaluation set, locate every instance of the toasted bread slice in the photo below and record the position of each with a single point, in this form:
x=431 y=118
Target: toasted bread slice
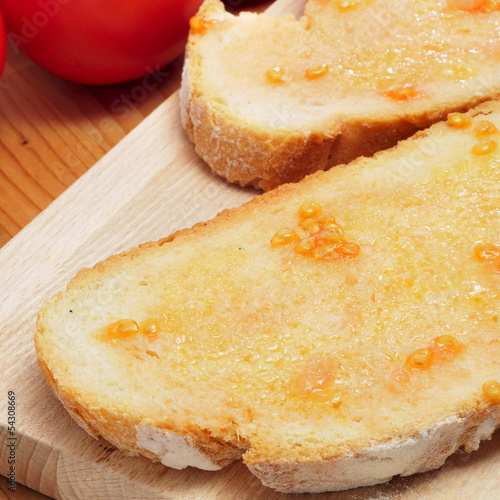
x=269 y=100
x=333 y=333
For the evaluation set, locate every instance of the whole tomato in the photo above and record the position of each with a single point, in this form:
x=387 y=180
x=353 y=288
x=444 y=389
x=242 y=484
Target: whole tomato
x=3 y=45
x=99 y=41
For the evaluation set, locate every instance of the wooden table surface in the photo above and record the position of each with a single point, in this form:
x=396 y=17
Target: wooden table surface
x=52 y=131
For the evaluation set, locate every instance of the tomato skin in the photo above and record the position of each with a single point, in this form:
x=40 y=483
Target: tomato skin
x=3 y=45
x=99 y=41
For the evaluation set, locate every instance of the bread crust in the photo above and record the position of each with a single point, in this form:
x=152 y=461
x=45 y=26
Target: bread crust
x=173 y=447
x=264 y=157
x=423 y=451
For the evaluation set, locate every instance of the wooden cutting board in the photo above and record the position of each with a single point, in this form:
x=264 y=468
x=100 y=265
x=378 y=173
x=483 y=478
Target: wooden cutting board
x=147 y=187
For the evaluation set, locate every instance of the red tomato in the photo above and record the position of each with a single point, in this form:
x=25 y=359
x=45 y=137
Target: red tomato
x=3 y=45
x=99 y=41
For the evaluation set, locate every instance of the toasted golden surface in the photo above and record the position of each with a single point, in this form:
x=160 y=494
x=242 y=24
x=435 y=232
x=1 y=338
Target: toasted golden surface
x=267 y=100
x=351 y=311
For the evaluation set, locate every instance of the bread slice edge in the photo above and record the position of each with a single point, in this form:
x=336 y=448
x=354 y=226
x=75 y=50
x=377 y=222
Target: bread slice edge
x=425 y=451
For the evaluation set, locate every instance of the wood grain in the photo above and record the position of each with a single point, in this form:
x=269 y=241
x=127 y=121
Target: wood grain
x=52 y=132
